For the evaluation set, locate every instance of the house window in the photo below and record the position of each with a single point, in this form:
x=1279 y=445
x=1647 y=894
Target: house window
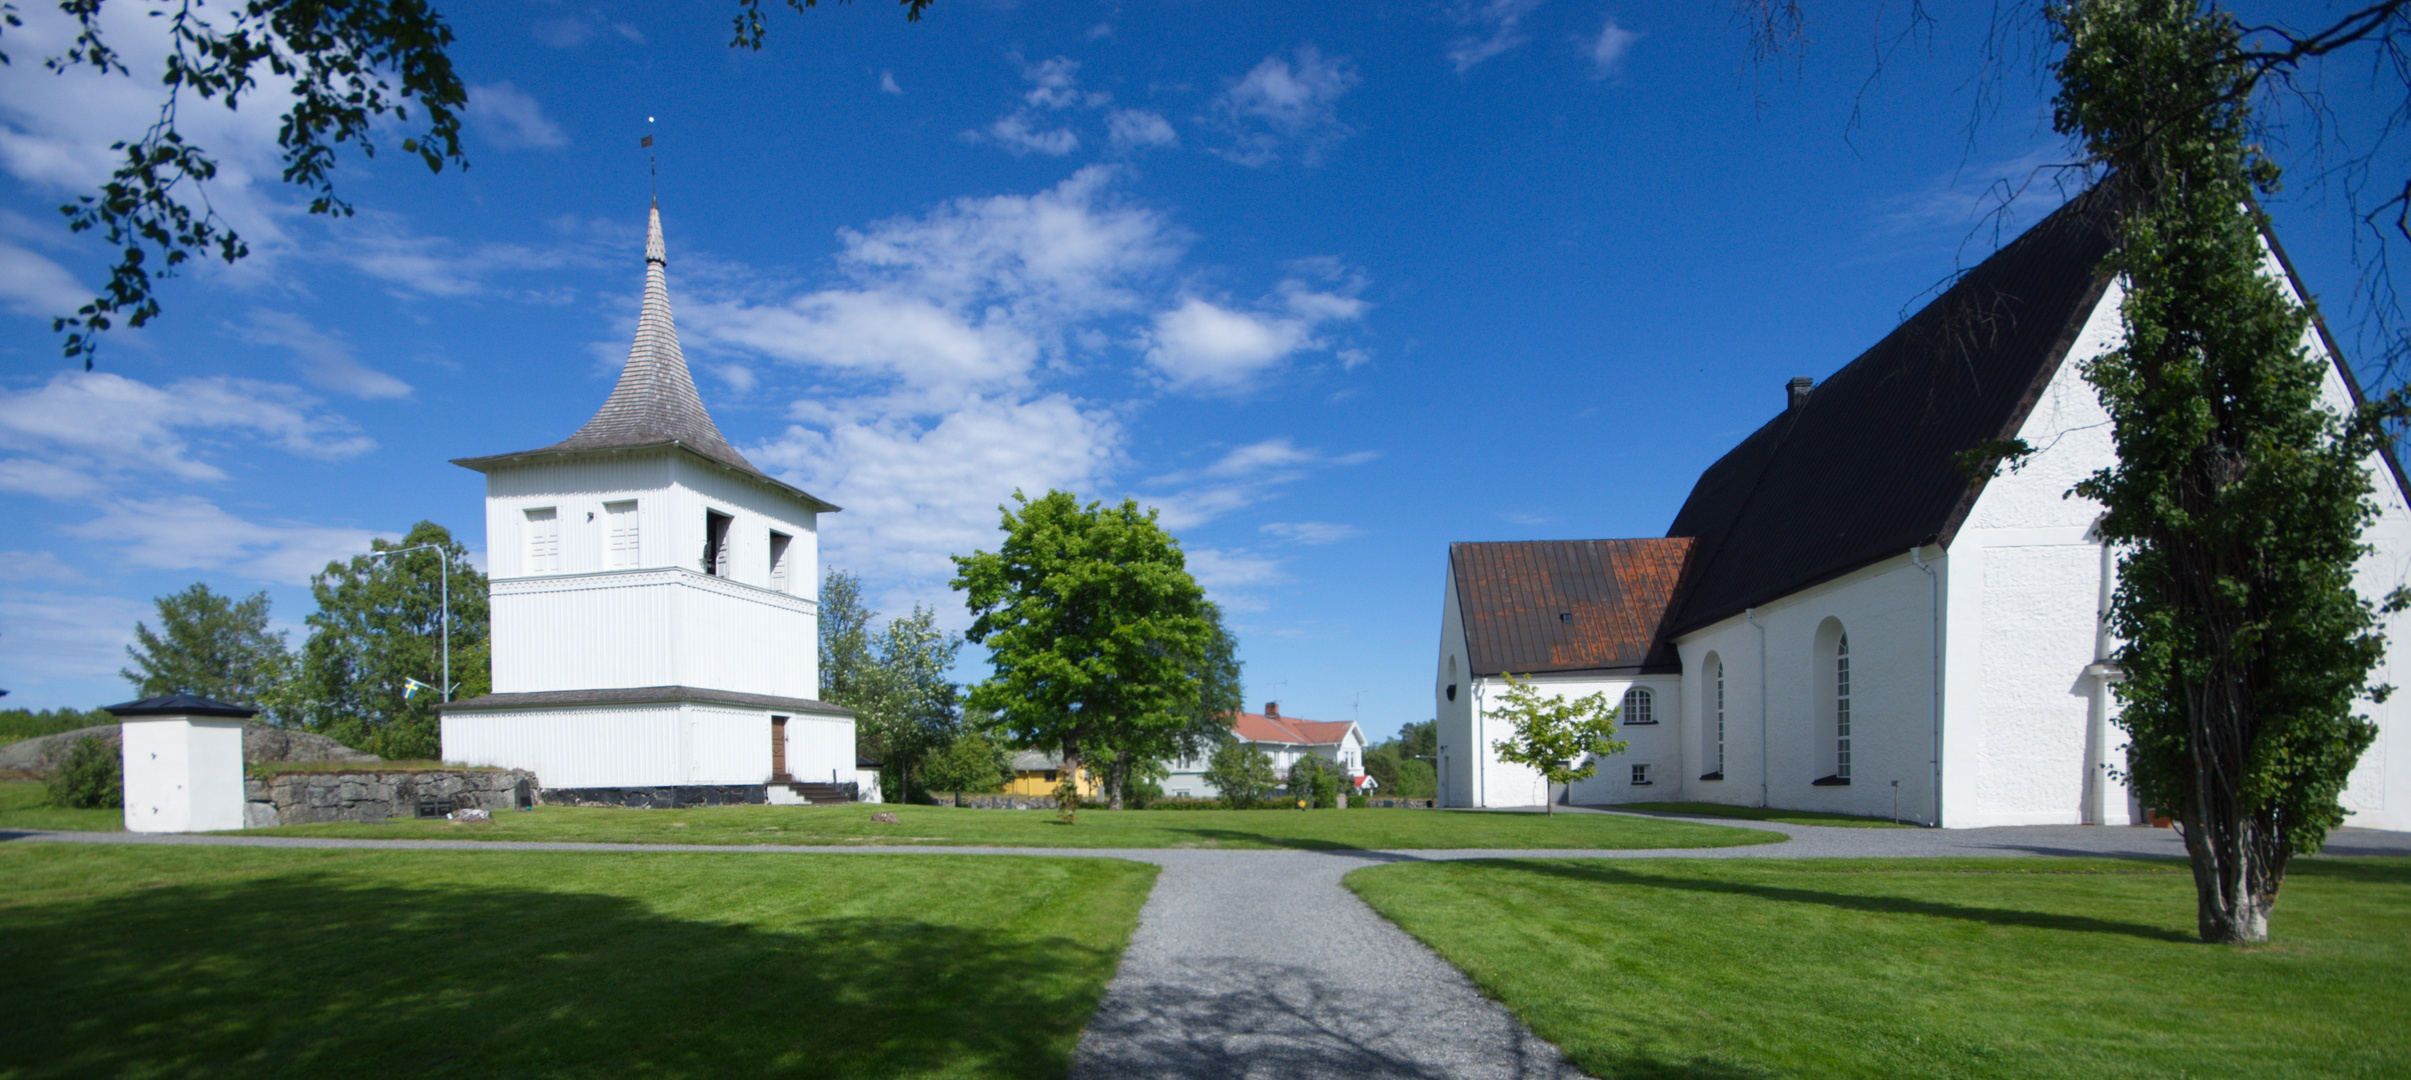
x=715 y=543
x=1637 y=707
x=1841 y=707
x=1640 y=776
x=620 y=537
x=543 y=541
x=778 y=560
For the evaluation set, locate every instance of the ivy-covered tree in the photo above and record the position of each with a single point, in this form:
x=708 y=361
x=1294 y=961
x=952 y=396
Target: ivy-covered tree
x=2237 y=501
x=1095 y=627
x=211 y=645
x=378 y=630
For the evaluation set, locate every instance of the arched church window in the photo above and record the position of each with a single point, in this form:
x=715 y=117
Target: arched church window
x=1713 y=735
x=1841 y=707
x=1638 y=707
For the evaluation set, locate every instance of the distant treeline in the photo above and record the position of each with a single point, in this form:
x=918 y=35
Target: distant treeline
x=18 y=724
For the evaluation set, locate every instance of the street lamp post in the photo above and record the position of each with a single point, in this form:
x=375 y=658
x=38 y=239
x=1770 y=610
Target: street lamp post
x=443 y=580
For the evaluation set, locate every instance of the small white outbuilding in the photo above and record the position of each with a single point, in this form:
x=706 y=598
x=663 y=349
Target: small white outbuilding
x=655 y=618
x=183 y=758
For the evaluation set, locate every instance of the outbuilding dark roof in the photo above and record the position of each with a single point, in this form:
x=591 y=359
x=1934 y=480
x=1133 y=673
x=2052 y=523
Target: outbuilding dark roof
x=1864 y=468
x=180 y=705
x=1568 y=605
x=641 y=695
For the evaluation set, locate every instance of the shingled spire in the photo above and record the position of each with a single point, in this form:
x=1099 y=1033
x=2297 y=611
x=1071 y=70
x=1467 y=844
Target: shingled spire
x=655 y=401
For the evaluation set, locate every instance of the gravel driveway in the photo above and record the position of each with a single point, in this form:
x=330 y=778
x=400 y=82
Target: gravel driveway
x=1251 y=965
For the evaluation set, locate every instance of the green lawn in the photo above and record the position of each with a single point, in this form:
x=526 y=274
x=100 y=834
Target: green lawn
x=26 y=805
x=852 y=825
x=1764 y=813
x=2013 y=968
x=127 y=961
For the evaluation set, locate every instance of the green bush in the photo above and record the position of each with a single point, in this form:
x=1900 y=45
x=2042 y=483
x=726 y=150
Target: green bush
x=93 y=776
x=970 y=763
x=1242 y=773
x=1315 y=780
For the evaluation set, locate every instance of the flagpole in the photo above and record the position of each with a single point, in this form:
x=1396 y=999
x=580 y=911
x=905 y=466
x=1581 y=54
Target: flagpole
x=443 y=578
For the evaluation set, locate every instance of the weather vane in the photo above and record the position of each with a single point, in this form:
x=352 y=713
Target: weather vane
x=652 y=167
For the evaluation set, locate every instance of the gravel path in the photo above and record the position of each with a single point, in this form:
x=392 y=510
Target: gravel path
x=1249 y=965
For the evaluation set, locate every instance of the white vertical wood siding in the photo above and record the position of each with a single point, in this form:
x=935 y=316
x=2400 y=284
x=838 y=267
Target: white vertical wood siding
x=672 y=491
x=649 y=745
x=657 y=627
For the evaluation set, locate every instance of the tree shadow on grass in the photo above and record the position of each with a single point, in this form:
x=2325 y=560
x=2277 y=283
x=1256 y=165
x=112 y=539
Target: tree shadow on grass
x=1295 y=843
x=312 y=974
x=1881 y=905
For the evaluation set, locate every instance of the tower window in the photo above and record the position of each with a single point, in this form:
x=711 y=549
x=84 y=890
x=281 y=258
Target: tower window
x=544 y=540
x=624 y=547
x=778 y=560
x=715 y=543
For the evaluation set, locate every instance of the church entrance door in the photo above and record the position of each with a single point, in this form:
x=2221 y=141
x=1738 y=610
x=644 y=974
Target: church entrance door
x=778 y=750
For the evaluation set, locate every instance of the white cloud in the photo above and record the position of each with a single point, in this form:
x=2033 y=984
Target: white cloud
x=1241 y=477
x=918 y=492
x=84 y=428
x=887 y=83
x=187 y=532
x=1275 y=104
x=1055 y=83
x=511 y=117
x=1311 y=532
x=33 y=285
x=1216 y=569
x=61 y=639
x=1135 y=129
x=325 y=360
x=1207 y=347
x=1014 y=133
x=564 y=33
x=36 y=566
x=1606 y=51
x=1497 y=27
x=970 y=298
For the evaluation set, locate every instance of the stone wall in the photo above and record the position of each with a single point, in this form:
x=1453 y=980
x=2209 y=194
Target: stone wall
x=1408 y=804
x=300 y=798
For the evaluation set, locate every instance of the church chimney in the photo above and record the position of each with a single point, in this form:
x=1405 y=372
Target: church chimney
x=1272 y=710
x=1796 y=392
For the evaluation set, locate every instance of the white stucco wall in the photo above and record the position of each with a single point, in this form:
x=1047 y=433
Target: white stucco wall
x=182 y=774
x=1886 y=609
x=1452 y=704
x=649 y=745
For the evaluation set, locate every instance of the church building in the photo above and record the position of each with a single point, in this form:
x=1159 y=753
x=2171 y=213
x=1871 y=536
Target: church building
x=1840 y=620
x=655 y=622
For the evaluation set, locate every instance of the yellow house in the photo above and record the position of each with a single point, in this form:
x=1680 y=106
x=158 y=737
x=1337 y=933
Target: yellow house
x=1037 y=772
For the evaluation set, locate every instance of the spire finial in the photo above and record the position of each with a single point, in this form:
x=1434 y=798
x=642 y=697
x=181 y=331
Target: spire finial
x=657 y=253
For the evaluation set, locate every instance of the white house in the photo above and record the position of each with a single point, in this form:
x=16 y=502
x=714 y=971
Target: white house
x=1285 y=739
x=1839 y=618
x=653 y=598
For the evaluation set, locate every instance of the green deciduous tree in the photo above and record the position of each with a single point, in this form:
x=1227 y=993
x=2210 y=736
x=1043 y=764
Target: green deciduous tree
x=894 y=678
x=1095 y=627
x=2238 y=500
x=1136 y=755
x=1241 y=774
x=972 y=762
x=1561 y=738
x=1315 y=781
x=210 y=645
x=378 y=627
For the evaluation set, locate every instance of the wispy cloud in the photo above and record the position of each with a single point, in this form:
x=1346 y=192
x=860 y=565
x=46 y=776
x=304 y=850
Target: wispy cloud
x=31 y=284
x=1035 y=126
x=1136 y=129
x=1278 y=107
x=187 y=532
x=1242 y=477
x=887 y=83
x=82 y=430
x=326 y=360
x=1496 y=26
x=1203 y=346
x=511 y=117
x=1310 y=532
x=1606 y=49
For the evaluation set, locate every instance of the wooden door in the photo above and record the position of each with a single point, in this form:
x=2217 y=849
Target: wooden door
x=778 y=750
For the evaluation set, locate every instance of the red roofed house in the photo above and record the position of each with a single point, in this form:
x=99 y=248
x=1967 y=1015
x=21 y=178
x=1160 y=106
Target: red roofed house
x=1283 y=738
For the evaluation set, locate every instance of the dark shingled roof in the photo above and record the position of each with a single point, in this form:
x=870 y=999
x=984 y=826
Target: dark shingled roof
x=643 y=695
x=655 y=403
x=1568 y=605
x=179 y=705
x=1863 y=469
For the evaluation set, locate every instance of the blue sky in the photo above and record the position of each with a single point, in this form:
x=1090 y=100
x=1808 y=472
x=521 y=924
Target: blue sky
x=1331 y=285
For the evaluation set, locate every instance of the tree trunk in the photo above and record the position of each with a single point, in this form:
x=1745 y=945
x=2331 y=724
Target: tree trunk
x=2239 y=856
x=1068 y=810
x=1116 y=775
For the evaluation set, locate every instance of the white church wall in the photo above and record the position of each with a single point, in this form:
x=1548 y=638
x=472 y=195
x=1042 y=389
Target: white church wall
x=1885 y=609
x=2020 y=747
x=609 y=630
x=1452 y=702
x=649 y=745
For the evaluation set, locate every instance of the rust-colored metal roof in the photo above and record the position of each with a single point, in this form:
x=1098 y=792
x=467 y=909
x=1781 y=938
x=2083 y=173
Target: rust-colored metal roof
x=1532 y=606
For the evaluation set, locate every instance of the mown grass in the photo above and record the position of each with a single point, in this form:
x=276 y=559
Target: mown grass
x=25 y=804
x=1764 y=813
x=2011 y=968
x=224 y=962
x=1243 y=829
